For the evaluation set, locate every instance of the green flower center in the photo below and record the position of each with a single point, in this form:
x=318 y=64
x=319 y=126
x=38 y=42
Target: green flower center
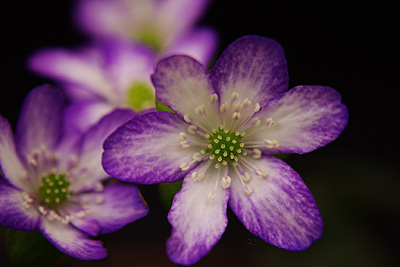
x=140 y=96
x=225 y=145
x=151 y=38
x=54 y=190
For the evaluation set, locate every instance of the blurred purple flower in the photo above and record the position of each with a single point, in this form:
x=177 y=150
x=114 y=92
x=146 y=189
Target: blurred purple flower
x=167 y=26
x=51 y=178
x=99 y=79
x=226 y=127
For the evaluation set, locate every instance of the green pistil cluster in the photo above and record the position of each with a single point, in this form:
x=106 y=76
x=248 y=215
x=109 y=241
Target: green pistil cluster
x=54 y=189
x=151 y=38
x=224 y=145
x=140 y=96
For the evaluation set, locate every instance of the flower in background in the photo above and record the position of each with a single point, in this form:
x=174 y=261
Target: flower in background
x=51 y=179
x=164 y=25
x=226 y=127
x=99 y=79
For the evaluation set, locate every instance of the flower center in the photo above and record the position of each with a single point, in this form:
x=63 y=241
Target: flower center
x=54 y=190
x=140 y=96
x=151 y=38
x=224 y=145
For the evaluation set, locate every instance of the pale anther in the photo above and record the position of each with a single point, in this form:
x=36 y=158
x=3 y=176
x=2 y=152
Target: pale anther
x=234 y=96
x=213 y=98
x=271 y=143
x=184 y=166
x=236 y=115
x=238 y=107
x=226 y=182
x=261 y=173
x=245 y=177
x=187 y=118
x=212 y=195
x=247 y=190
x=224 y=107
x=257 y=153
x=246 y=102
x=257 y=107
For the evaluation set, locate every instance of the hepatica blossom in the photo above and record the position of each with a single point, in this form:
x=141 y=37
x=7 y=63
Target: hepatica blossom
x=100 y=78
x=164 y=25
x=52 y=180
x=226 y=127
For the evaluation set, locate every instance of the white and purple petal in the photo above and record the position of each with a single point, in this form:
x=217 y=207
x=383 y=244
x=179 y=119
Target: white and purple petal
x=72 y=241
x=92 y=148
x=10 y=165
x=147 y=149
x=281 y=209
x=40 y=121
x=182 y=84
x=121 y=204
x=306 y=118
x=252 y=66
x=198 y=221
x=16 y=211
x=80 y=68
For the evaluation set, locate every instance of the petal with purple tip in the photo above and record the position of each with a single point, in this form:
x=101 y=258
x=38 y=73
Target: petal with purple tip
x=280 y=209
x=71 y=241
x=121 y=205
x=147 y=149
x=197 y=220
x=182 y=84
x=306 y=118
x=40 y=120
x=92 y=148
x=10 y=164
x=13 y=213
x=252 y=66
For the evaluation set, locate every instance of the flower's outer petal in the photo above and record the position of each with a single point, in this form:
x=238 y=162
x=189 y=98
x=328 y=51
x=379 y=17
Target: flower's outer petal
x=306 y=118
x=88 y=225
x=13 y=213
x=120 y=205
x=188 y=11
x=280 y=209
x=252 y=66
x=182 y=84
x=39 y=121
x=125 y=64
x=199 y=44
x=10 y=165
x=81 y=68
x=197 y=221
x=71 y=241
x=82 y=115
x=147 y=149
x=92 y=148
x=105 y=18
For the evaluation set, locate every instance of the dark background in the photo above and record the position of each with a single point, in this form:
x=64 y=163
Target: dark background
x=348 y=46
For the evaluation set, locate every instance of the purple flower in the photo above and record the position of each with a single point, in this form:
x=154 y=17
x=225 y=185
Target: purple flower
x=51 y=179
x=220 y=139
x=164 y=25
x=100 y=78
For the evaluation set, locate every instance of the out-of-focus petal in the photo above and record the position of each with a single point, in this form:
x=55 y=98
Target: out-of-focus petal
x=71 y=241
x=13 y=213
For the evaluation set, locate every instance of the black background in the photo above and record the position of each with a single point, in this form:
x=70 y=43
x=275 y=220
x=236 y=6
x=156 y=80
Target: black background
x=349 y=46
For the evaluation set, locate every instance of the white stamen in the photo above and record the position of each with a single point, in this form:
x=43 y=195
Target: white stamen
x=257 y=108
x=261 y=173
x=224 y=107
x=187 y=118
x=247 y=190
x=212 y=195
x=234 y=96
x=238 y=107
x=246 y=102
x=200 y=110
x=226 y=182
x=257 y=153
x=246 y=177
x=192 y=129
x=184 y=166
x=236 y=115
x=271 y=143
x=197 y=156
x=213 y=98
x=269 y=122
